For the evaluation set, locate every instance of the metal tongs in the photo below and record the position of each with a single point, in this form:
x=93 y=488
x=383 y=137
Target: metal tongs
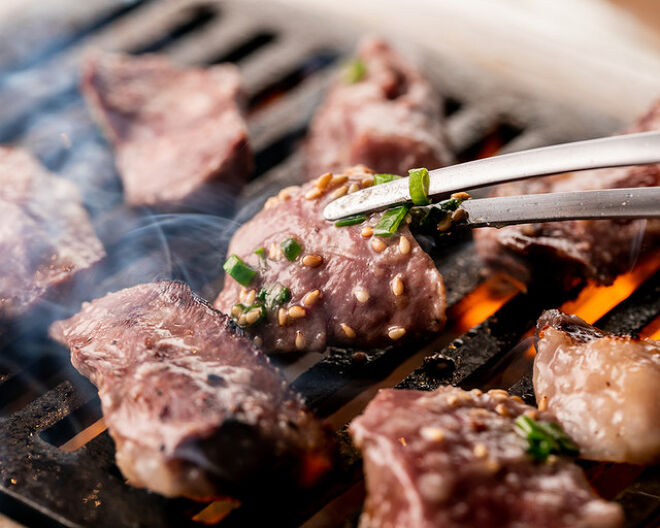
x=618 y=151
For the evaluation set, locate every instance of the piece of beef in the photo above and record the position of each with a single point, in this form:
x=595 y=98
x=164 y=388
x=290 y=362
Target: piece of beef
x=178 y=133
x=604 y=389
x=194 y=408
x=386 y=116
x=347 y=286
x=452 y=458
x=594 y=249
x=46 y=236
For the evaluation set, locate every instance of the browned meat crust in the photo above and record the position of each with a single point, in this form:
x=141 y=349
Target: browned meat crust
x=390 y=119
x=347 y=287
x=194 y=409
x=46 y=237
x=178 y=133
x=452 y=458
x=604 y=389
x=592 y=249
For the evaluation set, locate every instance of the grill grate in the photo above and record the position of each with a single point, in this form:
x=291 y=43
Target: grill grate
x=56 y=463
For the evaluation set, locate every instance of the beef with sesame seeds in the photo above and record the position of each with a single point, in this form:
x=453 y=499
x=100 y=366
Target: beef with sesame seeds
x=194 y=408
x=367 y=291
x=179 y=136
x=383 y=114
x=604 y=389
x=454 y=458
x=46 y=236
x=593 y=249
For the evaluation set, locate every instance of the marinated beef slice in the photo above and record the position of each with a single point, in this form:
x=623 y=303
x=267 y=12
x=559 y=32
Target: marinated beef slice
x=194 y=408
x=381 y=112
x=46 y=236
x=604 y=389
x=452 y=458
x=178 y=133
x=594 y=249
x=347 y=286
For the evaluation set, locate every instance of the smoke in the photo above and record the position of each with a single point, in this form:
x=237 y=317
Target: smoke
x=636 y=243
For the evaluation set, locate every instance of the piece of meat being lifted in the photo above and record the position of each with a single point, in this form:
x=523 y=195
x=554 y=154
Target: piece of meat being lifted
x=308 y=283
x=178 y=134
x=594 y=249
x=381 y=112
x=46 y=236
x=194 y=408
x=459 y=459
x=604 y=389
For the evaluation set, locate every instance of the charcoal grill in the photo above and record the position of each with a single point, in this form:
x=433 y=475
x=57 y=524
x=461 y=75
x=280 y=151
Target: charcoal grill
x=57 y=463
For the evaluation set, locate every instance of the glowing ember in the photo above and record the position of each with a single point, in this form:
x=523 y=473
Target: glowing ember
x=84 y=436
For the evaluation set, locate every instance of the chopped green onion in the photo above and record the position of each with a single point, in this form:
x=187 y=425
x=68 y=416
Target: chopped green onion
x=291 y=248
x=261 y=252
x=274 y=296
x=351 y=220
x=390 y=221
x=418 y=185
x=545 y=438
x=354 y=71
x=384 y=178
x=239 y=270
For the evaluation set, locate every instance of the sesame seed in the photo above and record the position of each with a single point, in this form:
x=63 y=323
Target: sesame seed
x=460 y=195
x=311 y=298
x=324 y=180
x=272 y=201
x=502 y=410
x=367 y=182
x=498 y=394
x=236 y=311
x=296 y=312
x=274 y=252
x=432 y=434
x=348 y=331
x=378 y=245
x=492 y=465
x=339 y=192
x=312 y=261
x=517 y=398
x=402 y=441
x=408 y=219
x=284 y=194
x=313 y=193
x=396 y=332
x=477 y=392
x=354 y=187
x=252 y=316
x=300 y=340
x=404 y=245
x=480 y=451
x=241 y=294
x=258 y=341
x=444 y=224
x=282 y=316
x=367 y=232
x=458 y=215
x=242 y=320
x=532 y=413
x=250 y=296
x=397 y=286
x=339 y=179
x=361 y=295
x=528 y=229
x=543 y=403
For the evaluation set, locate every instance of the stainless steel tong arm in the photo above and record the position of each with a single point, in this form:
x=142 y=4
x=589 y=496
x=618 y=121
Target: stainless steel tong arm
x=616 y=151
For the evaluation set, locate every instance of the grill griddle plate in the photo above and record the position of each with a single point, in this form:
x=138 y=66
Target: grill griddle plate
x=286 y=58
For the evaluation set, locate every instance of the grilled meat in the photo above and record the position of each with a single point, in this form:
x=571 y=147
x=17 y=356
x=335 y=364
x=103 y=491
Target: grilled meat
x=46 y=237
x=194 y=409
x=595 y=249
x=604 y=389
x=347 y=286
x=381 y=112
x=452 y=458
x=178 y=133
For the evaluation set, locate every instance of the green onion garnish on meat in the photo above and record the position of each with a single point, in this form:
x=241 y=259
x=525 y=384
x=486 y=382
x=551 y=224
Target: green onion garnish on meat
x=239 y=270
x=384 y=178
x=261 y=252
x=354 y=71
x=390 y=221
x=418 y=185
x=351 y=220
x=274 y=296
x=545 y=438
x=291 y=248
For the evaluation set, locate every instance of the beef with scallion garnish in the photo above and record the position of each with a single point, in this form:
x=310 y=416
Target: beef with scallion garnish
x=381 y=112
x=604 y=389
x=594 y=249
x=299 y=282
x=461 y=459
x=46 y=237
x=178 y=134
x=194 y=408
